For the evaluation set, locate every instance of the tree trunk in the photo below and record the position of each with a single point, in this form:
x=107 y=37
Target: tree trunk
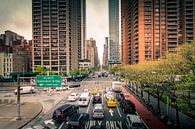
x=177 y=113
x=189 y=97
x=141 y=93
x=148 y=97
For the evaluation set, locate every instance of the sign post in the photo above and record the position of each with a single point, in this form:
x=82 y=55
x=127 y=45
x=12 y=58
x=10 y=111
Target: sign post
x=48 y=81
x=18 y=116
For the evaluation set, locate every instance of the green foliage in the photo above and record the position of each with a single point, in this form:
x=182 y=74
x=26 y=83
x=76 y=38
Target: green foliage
x=1 y=77
x=182 y=105
x=74 y=72
x=173 y=75
x=39 y=69
x=84 y=71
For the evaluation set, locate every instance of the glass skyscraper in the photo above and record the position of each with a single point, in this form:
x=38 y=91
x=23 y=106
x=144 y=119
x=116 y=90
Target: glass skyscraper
x=113 y=48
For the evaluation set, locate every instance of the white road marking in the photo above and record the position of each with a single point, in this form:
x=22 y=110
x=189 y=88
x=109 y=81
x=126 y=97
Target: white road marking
x=49 y=122
x=61 y=125
x=120 y=124
x=89 y=105
x=118 y=111
x=111 y=112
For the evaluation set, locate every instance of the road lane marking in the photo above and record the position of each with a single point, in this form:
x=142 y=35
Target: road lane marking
x=118 y=111
x=89 y=105
x=111 y=112
x=120 y=124
x=49 y=122
x=61 y=125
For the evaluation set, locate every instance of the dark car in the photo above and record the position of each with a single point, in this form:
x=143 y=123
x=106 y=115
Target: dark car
x=98 y=127
x=64 y=112
x=97 y=99
x=78 y=121
x=127 y=106
x=117 y=90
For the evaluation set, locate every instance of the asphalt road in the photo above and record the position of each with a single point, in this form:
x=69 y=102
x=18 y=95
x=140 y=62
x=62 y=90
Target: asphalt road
x=114 y=117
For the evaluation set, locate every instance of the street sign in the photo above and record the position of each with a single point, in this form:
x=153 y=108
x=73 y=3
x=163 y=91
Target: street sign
x=48 y=81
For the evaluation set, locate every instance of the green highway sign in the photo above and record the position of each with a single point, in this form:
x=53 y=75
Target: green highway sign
x=48 y=81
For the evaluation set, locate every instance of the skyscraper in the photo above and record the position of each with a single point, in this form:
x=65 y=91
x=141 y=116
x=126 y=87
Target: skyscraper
x=91 y=52
x=58 y=34
x=114 y=31
x=105 y=53
x=150 y=28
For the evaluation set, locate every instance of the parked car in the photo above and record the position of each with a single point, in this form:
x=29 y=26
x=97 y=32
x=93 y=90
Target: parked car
x=73 y=97
x=64 y=112
x=134 y=122
x=127 y=106
x=98 y=111
x=78 y=121
x=25 y=90
x=97 y=99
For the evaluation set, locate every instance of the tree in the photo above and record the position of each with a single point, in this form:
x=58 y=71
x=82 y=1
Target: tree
x=84 y=71
x=40 y=70
x=1 y=77
x=74 y=72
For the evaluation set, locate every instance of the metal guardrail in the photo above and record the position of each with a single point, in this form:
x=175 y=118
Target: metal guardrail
x=13 y=84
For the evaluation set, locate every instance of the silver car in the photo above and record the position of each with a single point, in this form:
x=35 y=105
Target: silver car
x=98 y=111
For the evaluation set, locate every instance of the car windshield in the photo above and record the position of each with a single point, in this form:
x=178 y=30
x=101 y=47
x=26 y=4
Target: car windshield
x=136 y=125
x=98 y=110
x=75 y=117
x=97 y=98
x=57 y=112
x=82 y=99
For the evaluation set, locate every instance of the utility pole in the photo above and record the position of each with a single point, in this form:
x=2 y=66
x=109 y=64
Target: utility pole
x=18 y=117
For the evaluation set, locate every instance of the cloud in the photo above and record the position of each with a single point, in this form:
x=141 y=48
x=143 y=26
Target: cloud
x=97 y=22
x=16 y=16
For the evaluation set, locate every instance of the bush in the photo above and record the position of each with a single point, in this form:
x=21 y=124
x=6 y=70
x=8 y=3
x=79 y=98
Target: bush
x=182 y=105
x=164 y=98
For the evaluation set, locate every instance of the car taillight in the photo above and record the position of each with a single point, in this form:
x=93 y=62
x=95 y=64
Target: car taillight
x=62 y=115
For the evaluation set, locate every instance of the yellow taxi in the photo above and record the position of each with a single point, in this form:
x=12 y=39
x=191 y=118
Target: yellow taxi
x=111 y=102
x=94 y=91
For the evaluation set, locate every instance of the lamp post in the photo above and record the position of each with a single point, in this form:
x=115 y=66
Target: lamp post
x=18 y=116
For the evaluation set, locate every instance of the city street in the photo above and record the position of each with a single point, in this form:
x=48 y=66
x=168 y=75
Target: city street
x=114 y=117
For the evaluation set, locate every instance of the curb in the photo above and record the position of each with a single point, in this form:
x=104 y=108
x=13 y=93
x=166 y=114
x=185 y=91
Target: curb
x=32 y=118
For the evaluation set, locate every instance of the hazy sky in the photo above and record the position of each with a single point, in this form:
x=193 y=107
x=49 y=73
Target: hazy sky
x=15 y=15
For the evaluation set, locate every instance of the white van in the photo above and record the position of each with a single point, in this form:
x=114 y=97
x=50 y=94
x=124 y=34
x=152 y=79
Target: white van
x=25 y=90
x=134 y=122
x=84 y=99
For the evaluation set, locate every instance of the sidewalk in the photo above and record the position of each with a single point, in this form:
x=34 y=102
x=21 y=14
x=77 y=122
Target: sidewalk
x=8 y=114
x=147 y=116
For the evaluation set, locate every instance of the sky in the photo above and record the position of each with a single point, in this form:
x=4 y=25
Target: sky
x=16 y=15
